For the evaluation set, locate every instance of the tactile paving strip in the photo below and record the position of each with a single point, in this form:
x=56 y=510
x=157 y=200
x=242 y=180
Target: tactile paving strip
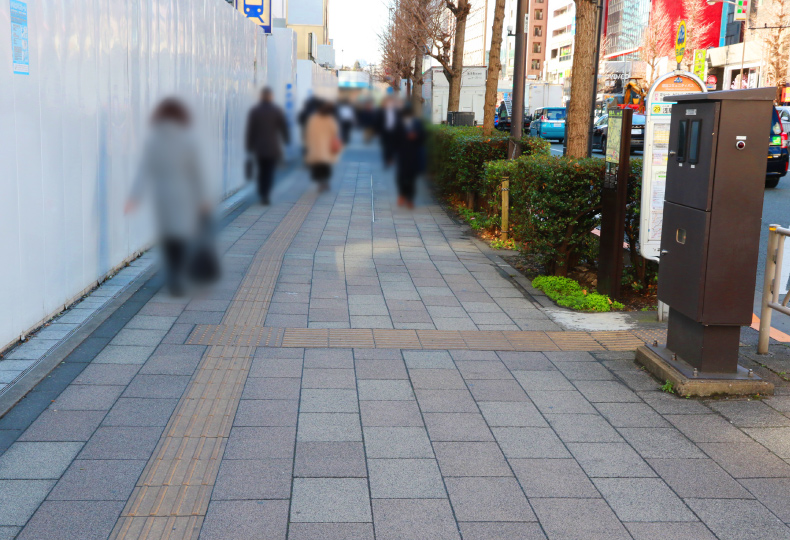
x=172 y=495
x=480 y=340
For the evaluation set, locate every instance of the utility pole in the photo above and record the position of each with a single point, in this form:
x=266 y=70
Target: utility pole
x=595 y=77
x=519 y=79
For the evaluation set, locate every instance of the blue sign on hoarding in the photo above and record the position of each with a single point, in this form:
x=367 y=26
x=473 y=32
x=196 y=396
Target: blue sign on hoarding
x=20 y=40
x=258 y=11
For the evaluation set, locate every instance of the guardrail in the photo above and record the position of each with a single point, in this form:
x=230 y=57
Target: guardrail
x=771 y=287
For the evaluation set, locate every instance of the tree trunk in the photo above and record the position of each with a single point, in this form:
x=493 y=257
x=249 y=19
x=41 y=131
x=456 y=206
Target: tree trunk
x=416 y=92
x=454 y=100
x=578 y=119
x=408 y=88
x=494 y=67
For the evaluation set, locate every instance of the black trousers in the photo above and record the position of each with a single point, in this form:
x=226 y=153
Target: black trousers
x=175 y=252
x=388 y=147
x=266 y=168
x=345 y=130
x=407 y=185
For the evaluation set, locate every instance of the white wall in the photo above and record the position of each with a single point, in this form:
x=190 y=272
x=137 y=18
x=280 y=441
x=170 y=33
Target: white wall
x=70 y=133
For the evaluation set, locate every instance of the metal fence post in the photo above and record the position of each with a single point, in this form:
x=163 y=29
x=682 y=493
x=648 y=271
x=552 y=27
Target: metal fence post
x=768 y=290
x=505 y=208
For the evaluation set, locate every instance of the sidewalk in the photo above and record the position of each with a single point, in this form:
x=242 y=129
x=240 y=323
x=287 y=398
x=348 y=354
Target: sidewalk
x=354 y=379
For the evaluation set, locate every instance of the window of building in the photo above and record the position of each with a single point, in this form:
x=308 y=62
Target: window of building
x=538 y=14
x=563 y=10
x=565 y=53
x=536 y=47
x=554 y=53
x=538 y=31
x=536 y=64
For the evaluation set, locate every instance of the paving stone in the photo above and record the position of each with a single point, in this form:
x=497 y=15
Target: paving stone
x=121 y=443
x=261 y=443
x=583 y=428
x=746 y=460
x=606 y=392
x=772 y=492
x=87 y=398
x=171 y=364
x=463 y=355
x=242 y=520
x=276 y=367
x=67 y=520
x=98 y=480
x=131 y=412
x=20 y=498
x=335 y=400
x=631 y=415
x=385 y=390
x=126 y=354
x=329 y=427
x=488 y=499
x=643 y=499
x=750 y=413
x=64 y=426
x=397 y=442
x=615 y=460
x=330 y=500
x=706 y=428
x=328 y=358
x=501 y=531
x=584 y=371
x=563 y=402
x=738 y=519
x=543 y=381
x=405 y=479
x=272 y=388
x=390 y=413
x=414 y=519
x=150 y=322
x=457 y=427
x=526 y=361
x=119 y=374
x=569 y=356
x=699 y=478
x=472 y=370
x=497 y=390
x=553 y=478
x=254 y=479
x=330 y=531
x=37 y=460
x=330 y=459
x=529 y=442
x=777 y=440
x=140 y=338
x=9 y=533
x=471 y=459
x=328 y=378
x=156 y=386
x=266 y=412
x=437 y=379
x=660 y=443
x=511 y=414
x=445 y=401
x=665 y=403
x=380 y=369
x=428 y=360
x=592 y=519
x=662 y=531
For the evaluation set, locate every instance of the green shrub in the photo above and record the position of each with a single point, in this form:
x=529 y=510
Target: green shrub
x=568 y=293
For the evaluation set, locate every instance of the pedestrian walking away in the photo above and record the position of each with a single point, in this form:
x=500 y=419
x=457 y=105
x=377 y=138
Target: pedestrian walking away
x=170 y=168
x=409 y=142
x=267 y=131
x=322 y=137
x=347 y=117
x=387 y=125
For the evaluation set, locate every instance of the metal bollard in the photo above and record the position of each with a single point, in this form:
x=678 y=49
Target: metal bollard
x=768 y=289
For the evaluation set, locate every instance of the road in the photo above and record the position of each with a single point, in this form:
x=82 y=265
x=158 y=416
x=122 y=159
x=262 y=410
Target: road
x=776 y=209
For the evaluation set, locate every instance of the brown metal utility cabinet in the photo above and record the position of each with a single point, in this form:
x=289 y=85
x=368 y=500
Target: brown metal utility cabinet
x=713 y=204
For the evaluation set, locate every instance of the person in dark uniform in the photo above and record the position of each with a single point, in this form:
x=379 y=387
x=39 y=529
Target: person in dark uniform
x=410 y=146
x=267 y=129
x=388 y=120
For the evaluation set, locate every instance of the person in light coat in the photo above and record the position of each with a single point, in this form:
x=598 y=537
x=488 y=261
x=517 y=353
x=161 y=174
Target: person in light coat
x=170 y=169
x=322 y=138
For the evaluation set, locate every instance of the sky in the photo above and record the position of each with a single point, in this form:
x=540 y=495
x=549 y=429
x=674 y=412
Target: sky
x=354 y=26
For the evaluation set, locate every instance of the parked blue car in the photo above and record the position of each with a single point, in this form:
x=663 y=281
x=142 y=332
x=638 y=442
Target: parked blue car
x=548 y=123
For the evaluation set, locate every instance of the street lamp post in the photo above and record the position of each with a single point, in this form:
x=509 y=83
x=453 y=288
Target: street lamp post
x=517 y=118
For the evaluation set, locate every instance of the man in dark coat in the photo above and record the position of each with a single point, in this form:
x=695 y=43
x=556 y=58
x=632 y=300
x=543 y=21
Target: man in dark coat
x=409 y=141
x=387 y=125
x=267 y=129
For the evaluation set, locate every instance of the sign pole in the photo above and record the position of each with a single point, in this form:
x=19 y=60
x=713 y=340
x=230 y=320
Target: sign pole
x=680 y=43
x=614 y=198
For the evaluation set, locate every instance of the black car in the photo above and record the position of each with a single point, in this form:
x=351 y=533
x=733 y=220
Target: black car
x=637 y=132
x=777 y=153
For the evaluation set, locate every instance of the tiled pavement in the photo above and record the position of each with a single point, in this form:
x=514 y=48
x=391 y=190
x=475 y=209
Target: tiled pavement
x=390 y=440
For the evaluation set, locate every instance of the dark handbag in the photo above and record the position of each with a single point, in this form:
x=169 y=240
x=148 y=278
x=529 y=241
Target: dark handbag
x=249 y=168
x=204 y=266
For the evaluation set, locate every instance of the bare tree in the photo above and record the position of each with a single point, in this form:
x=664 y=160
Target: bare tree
x=397 y=52
x=417 y=79
x=494 y=67
x=697 y=27
x=771 y=25
x=656 y=41
x=584 y=68
x=430 y=27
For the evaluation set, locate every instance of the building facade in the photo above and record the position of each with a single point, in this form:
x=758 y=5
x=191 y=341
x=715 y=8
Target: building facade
x=561 y=29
